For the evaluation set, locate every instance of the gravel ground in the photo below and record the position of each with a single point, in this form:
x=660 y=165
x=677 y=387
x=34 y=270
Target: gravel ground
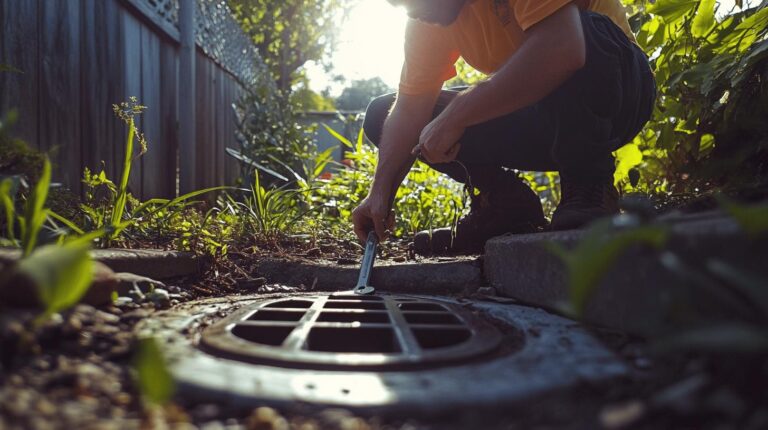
x=75 y=372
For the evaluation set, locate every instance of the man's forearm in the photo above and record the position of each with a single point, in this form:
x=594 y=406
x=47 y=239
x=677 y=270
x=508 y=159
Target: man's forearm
x=400 y=134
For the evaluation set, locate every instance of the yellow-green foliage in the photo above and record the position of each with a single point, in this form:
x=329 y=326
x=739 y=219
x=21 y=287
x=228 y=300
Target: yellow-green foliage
x=426 y=199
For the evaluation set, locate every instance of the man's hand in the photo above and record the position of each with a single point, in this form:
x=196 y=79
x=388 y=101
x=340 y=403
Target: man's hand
x=439 y=141
x=373 y=213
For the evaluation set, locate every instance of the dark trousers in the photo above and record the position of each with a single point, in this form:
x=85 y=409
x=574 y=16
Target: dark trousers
x=573 y=130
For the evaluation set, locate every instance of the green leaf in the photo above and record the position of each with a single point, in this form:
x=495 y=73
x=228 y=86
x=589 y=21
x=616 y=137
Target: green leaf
x=154 y=379
x=10 y=210
x=672 y=10
x=627 y=157
x=750 y=285
x=72 y=226
x=7 y=68
x=62 y=274
x=34 y=215
x=753 y=219
x=704 y=19
x=338 y=136
x=245 y=159
x=595 y=253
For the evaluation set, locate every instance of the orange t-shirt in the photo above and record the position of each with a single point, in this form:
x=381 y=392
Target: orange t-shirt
x=486 y=34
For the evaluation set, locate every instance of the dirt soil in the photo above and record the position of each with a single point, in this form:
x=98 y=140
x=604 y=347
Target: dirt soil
x=76 y=372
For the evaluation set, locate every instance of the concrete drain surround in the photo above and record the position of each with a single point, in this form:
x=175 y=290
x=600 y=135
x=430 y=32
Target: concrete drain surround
x=341 y=331
x=554 y=356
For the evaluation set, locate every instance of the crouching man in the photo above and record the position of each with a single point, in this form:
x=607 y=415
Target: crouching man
x=568 y=86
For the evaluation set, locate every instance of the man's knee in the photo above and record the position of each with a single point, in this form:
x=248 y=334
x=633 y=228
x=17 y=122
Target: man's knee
x=375 y=115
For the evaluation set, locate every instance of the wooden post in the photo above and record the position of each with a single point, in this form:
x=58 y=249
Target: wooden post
x=187 y=110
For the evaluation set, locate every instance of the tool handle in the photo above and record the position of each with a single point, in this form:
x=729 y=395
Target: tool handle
x=368 y=258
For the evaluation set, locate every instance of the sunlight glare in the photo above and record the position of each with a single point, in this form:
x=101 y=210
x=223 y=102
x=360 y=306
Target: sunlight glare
x=370 y=44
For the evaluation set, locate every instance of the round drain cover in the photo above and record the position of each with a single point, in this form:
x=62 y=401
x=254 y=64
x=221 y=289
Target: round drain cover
x=351 y=331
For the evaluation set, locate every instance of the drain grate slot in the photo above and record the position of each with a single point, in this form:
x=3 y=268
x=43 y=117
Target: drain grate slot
x=355 y=297
x=353 y=340
x=431 y=318
x=354 y=304
x=296 y=304
x=265 y=335
x=345 y=331
x=421 y=306
x=432 y=338
x=276 y=315
x=352 y=316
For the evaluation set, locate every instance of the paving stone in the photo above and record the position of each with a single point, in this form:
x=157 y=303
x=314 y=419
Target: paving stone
x=635 y=294
x=428 y=276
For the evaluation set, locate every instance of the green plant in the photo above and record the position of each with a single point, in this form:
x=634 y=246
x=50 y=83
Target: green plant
x=34 y=215
x=62 y=274
x=426 y=199
x=594 y=255
x=708 y=130
x=153 y=378
x=270 y=213
x=109 y=206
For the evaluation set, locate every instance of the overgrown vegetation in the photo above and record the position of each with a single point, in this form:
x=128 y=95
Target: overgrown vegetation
x=708 y=130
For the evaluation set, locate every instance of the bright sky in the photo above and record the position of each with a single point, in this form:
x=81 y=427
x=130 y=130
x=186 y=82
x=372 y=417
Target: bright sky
x=370 y=44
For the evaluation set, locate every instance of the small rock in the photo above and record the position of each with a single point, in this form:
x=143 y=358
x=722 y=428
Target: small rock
x=251 y=283
x=123 y=301
x=129 y=282
x=102 y=287
x=266 y=419
x=136 y=295
x=72 y=326
x=486 y=291
x=174 y=289
x=160 y=298
x=137 y=314
x=399 y=259
x=643 y=363
x=623 y=415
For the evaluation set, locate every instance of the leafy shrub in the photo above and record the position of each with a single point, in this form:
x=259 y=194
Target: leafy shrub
x=708 y=129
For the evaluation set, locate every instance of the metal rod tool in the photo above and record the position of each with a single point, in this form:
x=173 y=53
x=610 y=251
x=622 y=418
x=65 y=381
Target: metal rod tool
x=367 y=265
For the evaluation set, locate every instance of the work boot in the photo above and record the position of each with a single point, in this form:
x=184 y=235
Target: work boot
x=584 y=202
x=507 y=206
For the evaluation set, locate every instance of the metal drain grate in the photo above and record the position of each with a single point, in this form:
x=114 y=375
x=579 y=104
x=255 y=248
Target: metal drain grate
x=343 y=331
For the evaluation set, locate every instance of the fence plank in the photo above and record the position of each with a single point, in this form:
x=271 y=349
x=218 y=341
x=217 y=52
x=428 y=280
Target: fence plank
x=154 y=170
x=81 y=56
x=203 y=122
x=18 y=48
x=59 y=126
x=113 y=41
x=132 y=54
x=169 y=128
x=95 y=104
x=221 y=138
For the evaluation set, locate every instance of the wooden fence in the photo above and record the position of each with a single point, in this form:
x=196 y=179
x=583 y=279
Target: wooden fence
x=78 y=57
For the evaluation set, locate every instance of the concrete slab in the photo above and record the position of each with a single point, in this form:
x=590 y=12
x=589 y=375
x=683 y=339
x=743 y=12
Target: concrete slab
x=433 y=276
x=635 y=294
x=152 y=263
